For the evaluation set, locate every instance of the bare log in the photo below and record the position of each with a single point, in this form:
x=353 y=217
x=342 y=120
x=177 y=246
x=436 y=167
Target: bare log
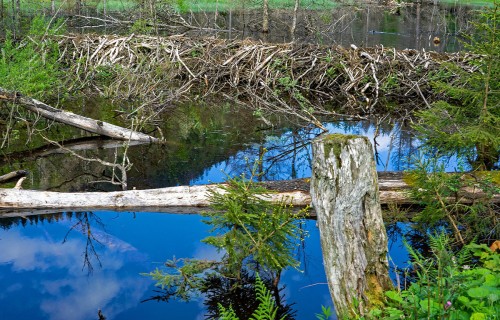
x=345 y=196
x=81 y=122
x=392 y=190
x=182 y=196
x=13 y=176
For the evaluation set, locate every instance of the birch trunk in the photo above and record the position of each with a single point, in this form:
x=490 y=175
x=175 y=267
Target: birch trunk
x=345 y=195
x=294 y=20
x=392 y=190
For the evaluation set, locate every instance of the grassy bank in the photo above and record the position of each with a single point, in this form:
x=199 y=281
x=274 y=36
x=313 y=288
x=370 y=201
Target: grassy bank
x=29 y=6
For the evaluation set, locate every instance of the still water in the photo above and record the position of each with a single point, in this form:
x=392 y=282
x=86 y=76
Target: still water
x=70 y=265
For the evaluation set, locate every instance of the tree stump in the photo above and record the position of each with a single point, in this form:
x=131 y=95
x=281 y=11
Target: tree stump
x=345 y=195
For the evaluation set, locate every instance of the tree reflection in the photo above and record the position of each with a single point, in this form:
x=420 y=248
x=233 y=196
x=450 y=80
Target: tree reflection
x=84 y=223
x=84 y=226
x=239 y=294
x=288 y=153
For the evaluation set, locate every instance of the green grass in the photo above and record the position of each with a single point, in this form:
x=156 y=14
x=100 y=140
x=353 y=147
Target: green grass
x=479 y=3
x=31 y=6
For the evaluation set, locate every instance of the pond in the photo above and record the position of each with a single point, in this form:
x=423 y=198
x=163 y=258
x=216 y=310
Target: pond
x=412 y=25
x=70 y=265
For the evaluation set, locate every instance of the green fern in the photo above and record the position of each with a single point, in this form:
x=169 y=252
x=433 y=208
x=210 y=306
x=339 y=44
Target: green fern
x=267 y=309
x=227 y=313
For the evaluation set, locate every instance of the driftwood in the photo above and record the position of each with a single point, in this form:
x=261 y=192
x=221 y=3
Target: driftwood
x=393 y=190
x=81 y=122
x=11 y=176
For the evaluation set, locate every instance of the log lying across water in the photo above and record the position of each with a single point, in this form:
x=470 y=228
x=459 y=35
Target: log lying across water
x=75 y=120
x=181 y=199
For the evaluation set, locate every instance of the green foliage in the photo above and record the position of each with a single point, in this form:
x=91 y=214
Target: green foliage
x=141 y=26
x=441 y=194
x=446 y=286
x=249 y=227
x=31 y=66
x=183 y=277
x=254 y=234
x=267 y=309
x=326 y=313
x=468 y=121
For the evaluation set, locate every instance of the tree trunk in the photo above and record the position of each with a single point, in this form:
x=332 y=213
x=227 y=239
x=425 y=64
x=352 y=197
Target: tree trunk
x=294 y=20
x=392 y=191
x=345 y=196
x=265 y=16
x=13 y=175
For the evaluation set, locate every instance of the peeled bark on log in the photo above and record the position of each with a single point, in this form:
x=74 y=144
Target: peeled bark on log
x=345 y=196
x=81 y=122
x=392 y=190
x=182 y=196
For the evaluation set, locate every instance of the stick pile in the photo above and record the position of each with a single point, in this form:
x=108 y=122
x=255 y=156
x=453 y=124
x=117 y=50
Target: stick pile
x=298 y=80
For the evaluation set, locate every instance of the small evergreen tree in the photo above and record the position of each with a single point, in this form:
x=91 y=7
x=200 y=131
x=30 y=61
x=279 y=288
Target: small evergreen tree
x=468 y=122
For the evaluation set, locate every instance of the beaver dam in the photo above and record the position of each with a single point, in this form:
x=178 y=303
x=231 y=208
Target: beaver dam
x=294 y=79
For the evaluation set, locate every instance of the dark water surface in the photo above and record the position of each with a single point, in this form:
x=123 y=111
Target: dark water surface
x=412 y=26
x=409 y=26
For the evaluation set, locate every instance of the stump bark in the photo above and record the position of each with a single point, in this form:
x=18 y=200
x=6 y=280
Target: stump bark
x=345 y=196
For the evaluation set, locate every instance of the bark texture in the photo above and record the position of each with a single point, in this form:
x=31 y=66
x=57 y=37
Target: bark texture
x=345 y=196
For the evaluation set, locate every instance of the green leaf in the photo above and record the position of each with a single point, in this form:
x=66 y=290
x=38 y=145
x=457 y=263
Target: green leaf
x=479 y=292
x=393 y=295
x=478 y=316
x=464 y=300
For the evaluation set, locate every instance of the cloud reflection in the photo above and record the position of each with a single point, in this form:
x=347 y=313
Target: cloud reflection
x=65 y=291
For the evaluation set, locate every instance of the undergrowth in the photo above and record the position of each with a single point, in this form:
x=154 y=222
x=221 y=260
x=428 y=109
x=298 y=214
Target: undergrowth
x=31 y=66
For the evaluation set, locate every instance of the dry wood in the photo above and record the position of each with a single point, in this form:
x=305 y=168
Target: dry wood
x=288 y=78
x=81 y=122
x=12 y=176
x=392 y=190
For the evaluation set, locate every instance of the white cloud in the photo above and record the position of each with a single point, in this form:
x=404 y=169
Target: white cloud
x=74 y=294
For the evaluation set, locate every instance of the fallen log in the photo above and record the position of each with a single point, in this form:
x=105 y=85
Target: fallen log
x=393 y=190
x=11 y=176
x=75 y=120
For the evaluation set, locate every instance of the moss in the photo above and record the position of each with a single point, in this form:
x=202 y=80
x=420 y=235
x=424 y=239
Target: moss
x=410 y=178
x=493 y=176
x=336 y=141
x=375 y=292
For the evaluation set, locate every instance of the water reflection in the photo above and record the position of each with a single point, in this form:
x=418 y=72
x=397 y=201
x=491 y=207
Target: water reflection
x=414 y=25
x=288 y=155
x=44 y=276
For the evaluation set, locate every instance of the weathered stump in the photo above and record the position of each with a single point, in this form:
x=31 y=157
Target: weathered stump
x=345 y=196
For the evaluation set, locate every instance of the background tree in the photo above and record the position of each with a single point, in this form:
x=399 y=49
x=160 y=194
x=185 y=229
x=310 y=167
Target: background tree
x=468 y=122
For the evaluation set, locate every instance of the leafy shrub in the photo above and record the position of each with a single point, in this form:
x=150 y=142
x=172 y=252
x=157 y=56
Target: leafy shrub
x=465 y=285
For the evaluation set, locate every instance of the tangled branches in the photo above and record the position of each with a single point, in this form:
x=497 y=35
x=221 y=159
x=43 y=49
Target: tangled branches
x=303 y=81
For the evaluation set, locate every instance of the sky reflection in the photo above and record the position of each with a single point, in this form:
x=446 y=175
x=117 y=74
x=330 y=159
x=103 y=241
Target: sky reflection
x=44 y=277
